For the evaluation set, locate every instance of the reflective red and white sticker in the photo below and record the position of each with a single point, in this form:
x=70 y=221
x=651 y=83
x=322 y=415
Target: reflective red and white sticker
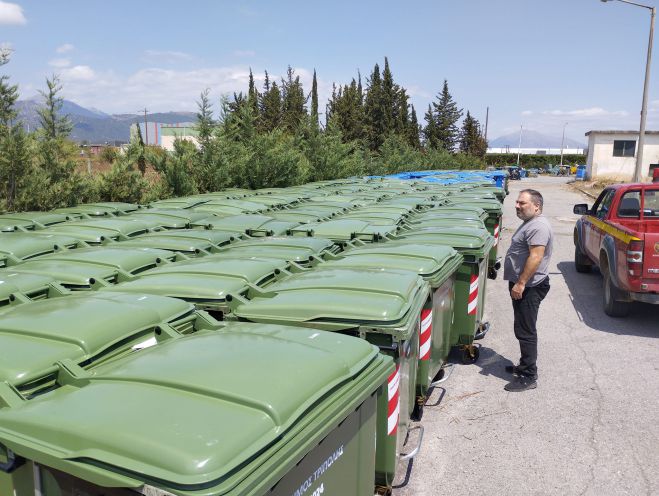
x=394 y=401
x=473 y=295
x=425 y=335
x=496 y=235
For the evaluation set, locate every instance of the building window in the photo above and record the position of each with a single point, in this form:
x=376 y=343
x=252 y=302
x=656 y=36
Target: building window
x=624 y=148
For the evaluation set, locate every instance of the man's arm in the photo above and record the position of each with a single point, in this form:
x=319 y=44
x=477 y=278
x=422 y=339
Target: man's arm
x=536 y=252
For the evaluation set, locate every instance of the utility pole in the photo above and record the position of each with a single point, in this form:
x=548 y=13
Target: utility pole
x=519 y=146
x=563 y=142
x=146 y=128
x=487 y=119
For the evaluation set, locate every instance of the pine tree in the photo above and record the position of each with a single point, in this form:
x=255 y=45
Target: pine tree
x=314 y=101
x=8 y=97
x=447 y=114
x=204 y=119
x=391 y=106
x=293 y=102
x=54 y=126
x=413 y=130
x=472 y=141
x=346 y=113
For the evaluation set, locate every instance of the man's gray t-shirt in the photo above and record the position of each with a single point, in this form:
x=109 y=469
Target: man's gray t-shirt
x=533 y=232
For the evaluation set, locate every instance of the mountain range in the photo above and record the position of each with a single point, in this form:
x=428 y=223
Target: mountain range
x=94 y=126
x=533 y=139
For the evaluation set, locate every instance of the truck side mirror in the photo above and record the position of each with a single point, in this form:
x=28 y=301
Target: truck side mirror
x=580 y=209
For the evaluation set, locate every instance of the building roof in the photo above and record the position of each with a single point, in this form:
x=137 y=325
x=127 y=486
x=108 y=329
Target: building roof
x=622 y=132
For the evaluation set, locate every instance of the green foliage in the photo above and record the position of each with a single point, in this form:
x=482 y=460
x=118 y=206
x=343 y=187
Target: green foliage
x=122 y=183
x=15 y=153
x=345 y=112
x=8 y=97
x=328 y=156
x=270 y=107
x=314 y=100
x=54 y=126
x=109 y=154
x=176 y=168
x=397 y=155
x=293 y=102
x=205 y=122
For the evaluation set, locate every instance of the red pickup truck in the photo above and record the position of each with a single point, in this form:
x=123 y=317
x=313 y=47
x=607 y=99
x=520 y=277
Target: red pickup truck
x=620 y=235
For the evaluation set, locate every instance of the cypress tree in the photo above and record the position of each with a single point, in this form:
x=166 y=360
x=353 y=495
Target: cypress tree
x=390 y=103
x=346 y=112
x=271 y=108
x=314 y=101
x=253 y=94
x=373 y=111
x=430 y=132
x=413 y=130
x=204 y=118
x=447 y=114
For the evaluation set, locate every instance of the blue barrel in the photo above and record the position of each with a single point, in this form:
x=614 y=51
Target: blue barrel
x=581 y=172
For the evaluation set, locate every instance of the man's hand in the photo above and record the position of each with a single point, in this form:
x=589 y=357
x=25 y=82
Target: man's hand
x=517 y=290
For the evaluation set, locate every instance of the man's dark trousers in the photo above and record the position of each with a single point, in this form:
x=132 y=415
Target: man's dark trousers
x=526 y=316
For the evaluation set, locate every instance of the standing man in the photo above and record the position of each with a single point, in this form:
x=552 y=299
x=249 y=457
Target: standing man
x=526 y=268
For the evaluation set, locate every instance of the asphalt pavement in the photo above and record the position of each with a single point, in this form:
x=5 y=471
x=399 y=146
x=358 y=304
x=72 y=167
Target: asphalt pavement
x=591 y=426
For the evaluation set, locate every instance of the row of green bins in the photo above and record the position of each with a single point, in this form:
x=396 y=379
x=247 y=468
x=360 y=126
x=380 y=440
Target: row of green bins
x=167 y=219
x=111 y=406
x=98 y=231
x=99 y=209
x=305 y=252
x=189 y=242
x=207 y=281
x=384 y=308
x=438 y=266
x=474 y=244
x=90 y=268
x=493 y=223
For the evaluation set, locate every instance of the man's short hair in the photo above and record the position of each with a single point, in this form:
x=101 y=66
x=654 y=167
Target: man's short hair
x=536 y=197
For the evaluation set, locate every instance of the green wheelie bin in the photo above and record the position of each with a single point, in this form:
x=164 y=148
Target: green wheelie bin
x=38 y=340
x=21 y=287
x=381 y=307
x=345 y=230
x=242 y=410
x=250 y=224
x=30 y=221
x=303 y=251
x=16 y=247
x=437 y=265
x=493 y=223
x=474 y=245
x=190 y=242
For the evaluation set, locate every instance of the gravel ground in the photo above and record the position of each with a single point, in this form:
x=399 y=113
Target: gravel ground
x=590 y=428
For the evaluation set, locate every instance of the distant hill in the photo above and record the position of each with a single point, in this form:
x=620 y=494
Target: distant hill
x=95 y=126
x=533 y=139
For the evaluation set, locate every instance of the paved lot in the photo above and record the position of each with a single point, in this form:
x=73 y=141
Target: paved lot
x=591 y=426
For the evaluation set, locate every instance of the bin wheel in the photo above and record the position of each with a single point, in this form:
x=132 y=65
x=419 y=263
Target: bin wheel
x=417 y=412
x=492 y=273
x=470 y=354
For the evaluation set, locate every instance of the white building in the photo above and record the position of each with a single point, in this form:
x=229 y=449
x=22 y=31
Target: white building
x=613 y=154
x=537 y=151
x=170 y=133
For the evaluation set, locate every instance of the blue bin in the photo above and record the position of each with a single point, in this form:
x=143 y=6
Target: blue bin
x=581 y=172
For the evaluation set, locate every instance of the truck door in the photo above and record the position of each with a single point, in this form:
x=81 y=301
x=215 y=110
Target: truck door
x=593 y=233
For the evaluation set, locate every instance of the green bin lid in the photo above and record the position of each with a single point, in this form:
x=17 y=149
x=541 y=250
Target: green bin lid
x=491 y=206
x=467 y=240
x=171 y=219
x=86 y=328
x=34 y=286
x=448 y=221
x=434 y=264
x=291 y=249
x=83 y=210
x=33 y=219
x=179 y=203
x=205 y=280
x=297 y=216
x=206 y=410
x=18 y=246
x=245 y=206
x=95 y=231
x=468 y=212
x=182 y=240
x=342 y=298
x=375 y=218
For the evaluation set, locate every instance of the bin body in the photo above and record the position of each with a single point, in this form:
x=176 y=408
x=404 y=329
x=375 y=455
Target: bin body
x=383 y=308
x=493 y=222
x=259 y=429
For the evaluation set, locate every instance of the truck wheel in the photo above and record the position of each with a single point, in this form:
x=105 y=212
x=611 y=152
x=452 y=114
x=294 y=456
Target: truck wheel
x=613 y=306
x=581 y=262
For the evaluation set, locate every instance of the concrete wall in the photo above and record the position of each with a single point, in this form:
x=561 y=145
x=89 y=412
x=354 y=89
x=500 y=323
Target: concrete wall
x=601 y=161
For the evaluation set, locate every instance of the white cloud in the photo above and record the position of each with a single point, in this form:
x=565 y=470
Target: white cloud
x=166 y=56
x=78 y=73
x=59 y=63
x=66 y=47
x=527 y=112
x=244 y=53
x=586 y=113
x=161 y=89
x=11 y=14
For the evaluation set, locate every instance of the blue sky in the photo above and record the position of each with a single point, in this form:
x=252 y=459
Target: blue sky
x=539 y=63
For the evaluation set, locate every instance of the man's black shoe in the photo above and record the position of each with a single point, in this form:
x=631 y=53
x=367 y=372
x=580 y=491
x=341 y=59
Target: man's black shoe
x=522 y=383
